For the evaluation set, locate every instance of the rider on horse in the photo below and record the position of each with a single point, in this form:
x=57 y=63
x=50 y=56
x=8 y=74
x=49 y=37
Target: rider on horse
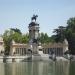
x=34 y=17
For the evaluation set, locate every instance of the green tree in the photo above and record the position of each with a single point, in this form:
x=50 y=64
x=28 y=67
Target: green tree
x=44 y=38
x=16 y=35
x=59 y=34
x=25 y=38
x=7 y=41
x=70 y=34
x=16 y=30
x=41 y=38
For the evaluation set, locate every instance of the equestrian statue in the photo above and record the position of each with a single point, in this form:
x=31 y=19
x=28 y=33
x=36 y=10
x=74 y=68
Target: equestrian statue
x=34 y=17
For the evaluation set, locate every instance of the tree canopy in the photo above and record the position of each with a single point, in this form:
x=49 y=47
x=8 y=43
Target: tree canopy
x=61 y=33
x=44 y=38
x=70 y=34
x=16 y=35
x=67 y=32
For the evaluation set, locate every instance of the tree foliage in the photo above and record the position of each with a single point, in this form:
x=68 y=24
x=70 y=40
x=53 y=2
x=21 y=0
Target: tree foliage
x=68 y=32
x=44 y=38
x=16 y=30
x=59 y=34
x=16 y=35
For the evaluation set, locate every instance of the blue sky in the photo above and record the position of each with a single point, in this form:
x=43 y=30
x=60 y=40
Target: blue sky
x=52 y=13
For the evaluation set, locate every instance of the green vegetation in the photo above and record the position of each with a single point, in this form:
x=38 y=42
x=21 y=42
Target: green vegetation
x=16 y=35
x=44 y=38
x=61 y=33
x=67 y=32
x=70 y=34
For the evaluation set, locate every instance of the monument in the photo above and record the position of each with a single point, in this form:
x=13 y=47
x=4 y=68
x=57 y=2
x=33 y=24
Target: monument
x=34 y=34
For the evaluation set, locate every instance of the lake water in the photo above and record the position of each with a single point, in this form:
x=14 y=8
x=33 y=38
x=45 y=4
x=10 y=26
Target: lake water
x=38 y=68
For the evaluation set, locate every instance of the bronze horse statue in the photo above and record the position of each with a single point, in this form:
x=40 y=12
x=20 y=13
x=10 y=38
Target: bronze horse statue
x=34 y=17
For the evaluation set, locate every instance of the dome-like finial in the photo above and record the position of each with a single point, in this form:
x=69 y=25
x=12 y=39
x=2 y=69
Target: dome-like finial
x=34 y=17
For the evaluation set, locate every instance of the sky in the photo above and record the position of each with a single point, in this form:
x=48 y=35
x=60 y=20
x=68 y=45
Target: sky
x=51 y=14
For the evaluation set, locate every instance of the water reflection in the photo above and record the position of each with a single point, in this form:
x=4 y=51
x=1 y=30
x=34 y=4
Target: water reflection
x=72 y=68
x=38 y=68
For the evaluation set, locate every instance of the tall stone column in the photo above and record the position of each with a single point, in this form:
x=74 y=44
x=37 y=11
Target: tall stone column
x=34 y=34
